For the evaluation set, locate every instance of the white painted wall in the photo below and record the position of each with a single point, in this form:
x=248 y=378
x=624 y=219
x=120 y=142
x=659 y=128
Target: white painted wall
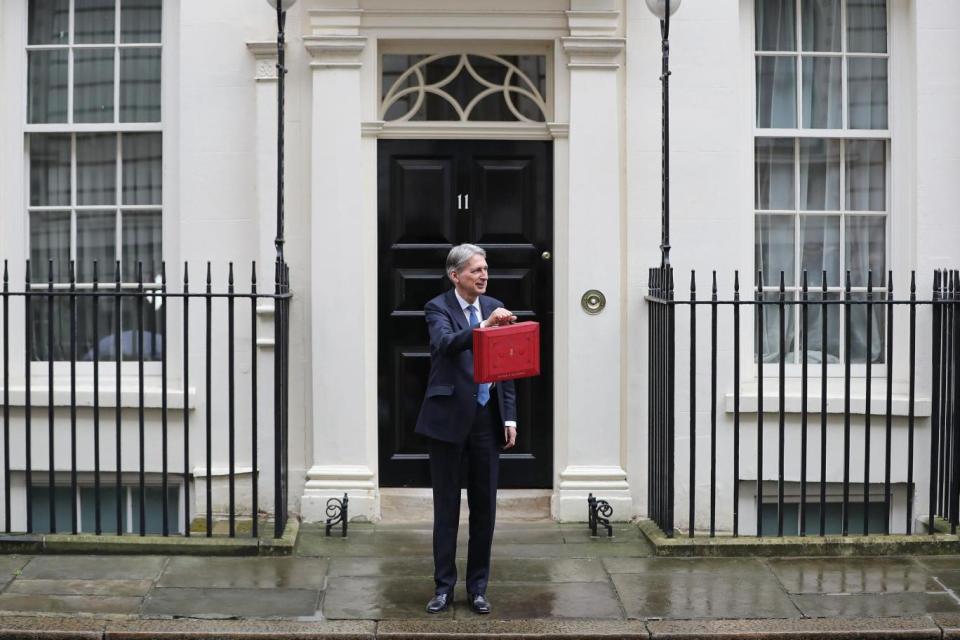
x=216 y=180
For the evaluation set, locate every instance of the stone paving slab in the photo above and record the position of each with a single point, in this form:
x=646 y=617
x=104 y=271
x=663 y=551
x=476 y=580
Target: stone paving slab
x=852 y=575
x=552 y=600
x=81 y=587
x=10 y=566
x=378 y=598
x=94 y=567
x=414 y=567
x=675 y=566
x=18 y=603
x=875 y=604
x=245 y=573
x=544 y=571
x=232 y=603
x=915 y=628
x=702 y=595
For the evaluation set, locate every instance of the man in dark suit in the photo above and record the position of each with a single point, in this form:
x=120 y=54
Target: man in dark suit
x=465 y=423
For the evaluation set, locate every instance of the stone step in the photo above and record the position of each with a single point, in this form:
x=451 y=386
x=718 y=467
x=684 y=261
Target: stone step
x=513 y=505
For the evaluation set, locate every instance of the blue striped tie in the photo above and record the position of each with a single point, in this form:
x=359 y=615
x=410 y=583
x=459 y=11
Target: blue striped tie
x=483 y=390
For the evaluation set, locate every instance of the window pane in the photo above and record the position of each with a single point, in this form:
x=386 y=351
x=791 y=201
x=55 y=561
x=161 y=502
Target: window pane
x=774 y=173
x=866 y=175
x=141 y=231
x=820 y=25
x=108 y=508
x=777 y=92
x=48 y=22
x=142 y=168
x=49 y=240
x=774 y=248
x=49 y=170
x=776 y=25
x=860 y=315
x=47 y=86
x=40 y=508
x=93 y=21
x=154 y=509
x=96 y=168
x=816 y=351
x=867 y=80
x=866 y=241
x=867 y=26
x=820 y=249
x=140 y=85
x=822 y=100
x=140 y=20
x=142 y=237
x=770 y=327
x=96 y=241
x=819 y=174
x=791 y=519
x=93 y=85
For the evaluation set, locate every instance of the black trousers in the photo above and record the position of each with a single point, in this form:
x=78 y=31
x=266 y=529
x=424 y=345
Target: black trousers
x=479 y=459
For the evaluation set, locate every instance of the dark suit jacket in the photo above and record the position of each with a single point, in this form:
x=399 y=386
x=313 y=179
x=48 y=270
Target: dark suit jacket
x=450 y=402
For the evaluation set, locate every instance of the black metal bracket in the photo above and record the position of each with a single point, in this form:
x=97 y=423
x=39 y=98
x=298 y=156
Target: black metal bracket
x=337 y=513
x=598 y=514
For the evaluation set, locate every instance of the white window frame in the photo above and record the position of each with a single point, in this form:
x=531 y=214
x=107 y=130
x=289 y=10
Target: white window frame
x=106 y=276
x=834 y=370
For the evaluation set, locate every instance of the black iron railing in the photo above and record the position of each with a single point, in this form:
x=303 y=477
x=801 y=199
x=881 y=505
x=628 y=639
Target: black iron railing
x=125 y=327
x=816 y=334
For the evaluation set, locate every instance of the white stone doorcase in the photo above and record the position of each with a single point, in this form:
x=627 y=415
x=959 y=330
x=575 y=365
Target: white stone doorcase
x=584 y=43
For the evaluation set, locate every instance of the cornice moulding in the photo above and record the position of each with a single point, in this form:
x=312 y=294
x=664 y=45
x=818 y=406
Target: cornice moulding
x=593 y=52
x=335 y=51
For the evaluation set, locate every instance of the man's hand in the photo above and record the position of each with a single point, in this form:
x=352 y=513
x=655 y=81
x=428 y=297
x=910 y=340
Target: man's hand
x=500 y=316
x=510 y=436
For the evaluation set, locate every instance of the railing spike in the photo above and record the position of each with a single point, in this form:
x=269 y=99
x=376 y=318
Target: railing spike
x=714 y=284
x=253 y=272
x=693 y=281
x=186 y=275
x=913 y=281
x=230 y=274
x=736 y=281
x=209 y=276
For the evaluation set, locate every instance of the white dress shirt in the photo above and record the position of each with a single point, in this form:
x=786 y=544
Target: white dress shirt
x=465 y=306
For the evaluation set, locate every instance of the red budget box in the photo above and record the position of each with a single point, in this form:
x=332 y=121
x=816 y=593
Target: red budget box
x=506 y=352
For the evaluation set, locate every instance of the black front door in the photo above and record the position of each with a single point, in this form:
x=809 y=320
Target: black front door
x=434 y=194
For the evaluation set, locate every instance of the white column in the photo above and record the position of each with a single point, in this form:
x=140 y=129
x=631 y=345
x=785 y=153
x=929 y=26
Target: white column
x=590 y=458
x=344 y=421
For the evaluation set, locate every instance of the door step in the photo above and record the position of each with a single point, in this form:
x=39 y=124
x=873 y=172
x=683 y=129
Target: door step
x=513 y=505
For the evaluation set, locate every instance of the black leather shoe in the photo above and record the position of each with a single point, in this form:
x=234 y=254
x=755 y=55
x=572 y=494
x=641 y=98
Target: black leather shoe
x=438 y=603
x=479 y=603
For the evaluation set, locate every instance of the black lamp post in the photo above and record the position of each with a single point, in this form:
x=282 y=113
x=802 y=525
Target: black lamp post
x=281 y=7
x=663 y=9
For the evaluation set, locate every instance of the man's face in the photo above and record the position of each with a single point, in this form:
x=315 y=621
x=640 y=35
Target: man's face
x=472 y=280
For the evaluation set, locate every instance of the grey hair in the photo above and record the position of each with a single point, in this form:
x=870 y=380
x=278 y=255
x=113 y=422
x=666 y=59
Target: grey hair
x=460 y=255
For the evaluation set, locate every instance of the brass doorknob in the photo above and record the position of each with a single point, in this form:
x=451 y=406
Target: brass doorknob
x=546 y=255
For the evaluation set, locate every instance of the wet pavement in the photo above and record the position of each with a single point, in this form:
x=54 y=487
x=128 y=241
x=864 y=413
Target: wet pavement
x=544 y=571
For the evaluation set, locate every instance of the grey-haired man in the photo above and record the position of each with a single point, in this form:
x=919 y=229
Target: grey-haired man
x=465 y=422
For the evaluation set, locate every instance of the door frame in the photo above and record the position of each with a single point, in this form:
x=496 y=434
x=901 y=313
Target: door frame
x=553 y=131
x=588 y=50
